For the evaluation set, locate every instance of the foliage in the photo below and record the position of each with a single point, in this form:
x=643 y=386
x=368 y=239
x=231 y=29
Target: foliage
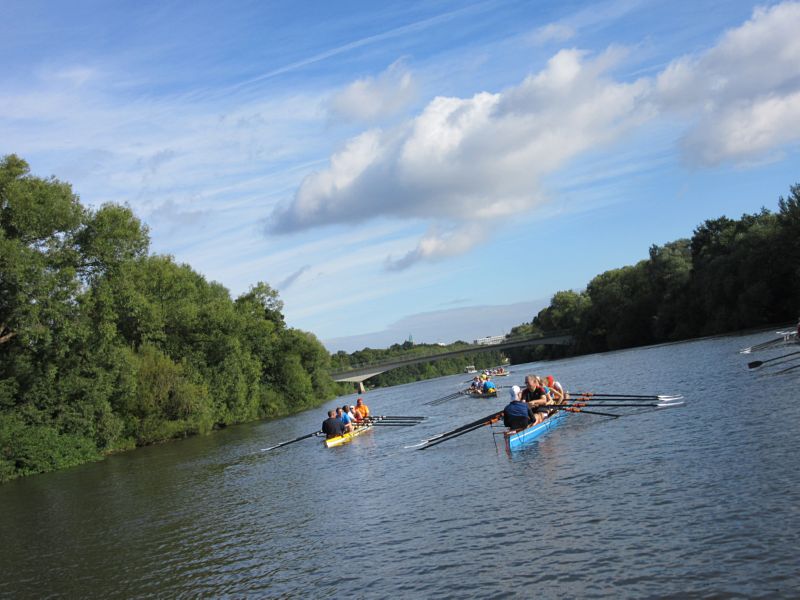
x=730 y=275
x=104 y=347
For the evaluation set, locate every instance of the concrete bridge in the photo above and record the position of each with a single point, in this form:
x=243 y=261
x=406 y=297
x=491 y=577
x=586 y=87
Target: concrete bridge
x=360 y=373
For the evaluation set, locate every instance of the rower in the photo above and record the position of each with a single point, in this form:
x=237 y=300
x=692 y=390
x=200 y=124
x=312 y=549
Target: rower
x=363 y=408
x=332 y=427
x=536 y=397
x=489 y=387
x=343 y=419
x=347 y=418
x=517 y=414
x=556 y=391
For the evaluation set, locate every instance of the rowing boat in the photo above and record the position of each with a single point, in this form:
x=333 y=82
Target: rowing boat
x=343 y=439
x=787 y=338
x=481 y=394
x=516 y=440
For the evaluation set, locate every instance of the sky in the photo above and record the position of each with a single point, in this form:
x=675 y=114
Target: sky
x=436 y=169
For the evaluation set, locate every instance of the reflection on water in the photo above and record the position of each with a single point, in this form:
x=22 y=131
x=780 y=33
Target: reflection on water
x=698 y=501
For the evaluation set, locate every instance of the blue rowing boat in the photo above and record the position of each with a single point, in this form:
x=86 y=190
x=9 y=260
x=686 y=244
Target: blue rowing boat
x=520 y=439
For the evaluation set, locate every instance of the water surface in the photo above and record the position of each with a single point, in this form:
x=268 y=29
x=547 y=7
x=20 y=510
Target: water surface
x=700 y=501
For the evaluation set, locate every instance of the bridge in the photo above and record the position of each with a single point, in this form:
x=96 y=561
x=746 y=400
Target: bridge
x=360 y=373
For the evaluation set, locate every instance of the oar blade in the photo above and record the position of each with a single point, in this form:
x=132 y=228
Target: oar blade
x=669 y=404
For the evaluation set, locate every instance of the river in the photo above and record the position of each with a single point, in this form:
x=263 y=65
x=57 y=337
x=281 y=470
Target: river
x=700 y=501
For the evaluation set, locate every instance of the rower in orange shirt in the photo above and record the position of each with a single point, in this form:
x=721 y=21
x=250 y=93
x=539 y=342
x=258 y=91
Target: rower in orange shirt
x=362 y=408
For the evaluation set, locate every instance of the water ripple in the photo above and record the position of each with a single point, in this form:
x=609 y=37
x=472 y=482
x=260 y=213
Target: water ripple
x=698 y=502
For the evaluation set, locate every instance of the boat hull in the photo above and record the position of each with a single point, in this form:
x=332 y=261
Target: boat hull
x=520 y=439
x=481 y=394
x=347 y=437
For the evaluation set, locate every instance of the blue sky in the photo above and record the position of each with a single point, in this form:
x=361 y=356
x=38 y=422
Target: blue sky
x=437 y=169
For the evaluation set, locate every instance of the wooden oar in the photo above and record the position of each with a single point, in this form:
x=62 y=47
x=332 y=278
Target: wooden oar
x=302 y=437
x=758 y=363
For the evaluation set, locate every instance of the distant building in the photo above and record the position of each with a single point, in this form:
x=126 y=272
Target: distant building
x=489 y=340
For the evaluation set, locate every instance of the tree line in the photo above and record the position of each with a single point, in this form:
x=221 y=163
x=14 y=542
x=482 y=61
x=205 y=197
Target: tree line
x=105 y=346
x=730 y=275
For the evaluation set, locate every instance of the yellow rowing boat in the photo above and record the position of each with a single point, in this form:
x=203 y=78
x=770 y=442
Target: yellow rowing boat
x=343 y=439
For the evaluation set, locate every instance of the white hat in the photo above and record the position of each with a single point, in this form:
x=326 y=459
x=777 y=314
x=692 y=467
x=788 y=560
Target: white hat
x=514 y=392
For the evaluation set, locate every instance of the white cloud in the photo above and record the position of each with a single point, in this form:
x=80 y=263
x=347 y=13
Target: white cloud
x=475 y=157
x=552 y=32
x=373 y=98
x=596 y=16
x=436 y=245
x=463 y=160
x=743 y=94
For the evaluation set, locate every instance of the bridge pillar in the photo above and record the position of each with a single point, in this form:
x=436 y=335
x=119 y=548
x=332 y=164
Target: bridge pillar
x=361 y=388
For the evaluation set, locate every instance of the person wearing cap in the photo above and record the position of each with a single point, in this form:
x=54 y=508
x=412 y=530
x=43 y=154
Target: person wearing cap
x=332 y=427
x=517 y=414
x=362 y=408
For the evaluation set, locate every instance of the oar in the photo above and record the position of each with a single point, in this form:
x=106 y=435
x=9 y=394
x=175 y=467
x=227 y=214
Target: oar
x=443 y=398
x=482 y=421
x=786 y=370
x=618 y=405
x=385 y=417
x=637 y=396
x=302 y=437
x=626 y=400
x=758 y=363
x=589 y=412
x=455 y=435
